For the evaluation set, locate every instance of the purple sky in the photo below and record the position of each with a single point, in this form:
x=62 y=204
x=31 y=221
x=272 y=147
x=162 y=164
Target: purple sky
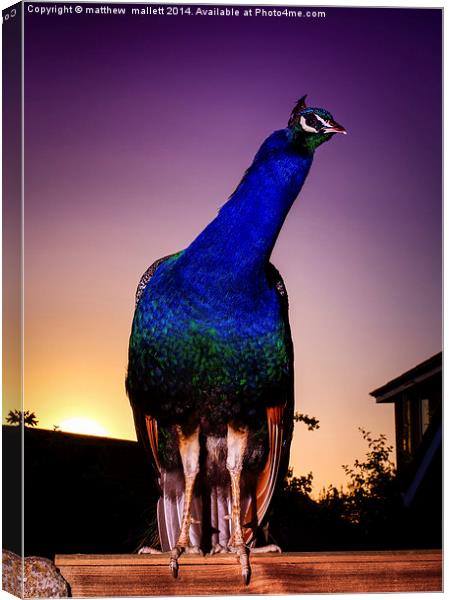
x=137 y=130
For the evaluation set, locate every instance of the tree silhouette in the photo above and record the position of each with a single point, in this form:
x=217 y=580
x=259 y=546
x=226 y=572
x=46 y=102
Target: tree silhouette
x=17 y=417
x=373 y=476
x=311 y=422
x=373 y=500
x=367 y=513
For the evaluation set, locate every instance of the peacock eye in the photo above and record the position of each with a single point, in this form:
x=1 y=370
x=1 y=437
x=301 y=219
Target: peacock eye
x=312 y=121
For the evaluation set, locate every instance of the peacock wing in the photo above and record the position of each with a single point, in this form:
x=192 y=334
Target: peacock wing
x=169 y=508
x=145 y=425
x=170 y=504
x=149 y=274
x=279 y=428
x=146 y=430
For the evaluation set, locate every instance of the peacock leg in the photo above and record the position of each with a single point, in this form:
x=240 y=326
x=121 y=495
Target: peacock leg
x=237 y=441
x=189 y=449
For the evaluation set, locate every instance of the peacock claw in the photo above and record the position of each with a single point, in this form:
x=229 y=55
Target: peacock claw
x=193 y=550
x=148 y=550
x=174 y=567
x=264 y=549
x=176 y=553
x=243 y=554
x=218 y=549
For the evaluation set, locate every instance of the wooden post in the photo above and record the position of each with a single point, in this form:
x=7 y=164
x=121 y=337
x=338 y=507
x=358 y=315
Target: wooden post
x=290 y=573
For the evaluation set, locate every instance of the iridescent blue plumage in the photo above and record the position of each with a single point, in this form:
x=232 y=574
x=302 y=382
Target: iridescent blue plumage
x=210 y=372
x=208 y=332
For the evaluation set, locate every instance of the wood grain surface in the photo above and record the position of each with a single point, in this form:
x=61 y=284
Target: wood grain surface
x=97 y=575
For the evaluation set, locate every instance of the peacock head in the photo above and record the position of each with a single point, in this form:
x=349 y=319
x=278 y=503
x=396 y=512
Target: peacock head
x=312 y=126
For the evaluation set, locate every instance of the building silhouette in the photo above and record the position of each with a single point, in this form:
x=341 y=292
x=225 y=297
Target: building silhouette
x=417 y=398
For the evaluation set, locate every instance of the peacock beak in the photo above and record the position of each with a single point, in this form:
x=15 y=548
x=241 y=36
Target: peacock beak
x=335 y=128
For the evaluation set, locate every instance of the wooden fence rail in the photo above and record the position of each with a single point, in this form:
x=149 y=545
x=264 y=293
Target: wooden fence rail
x=290 y=573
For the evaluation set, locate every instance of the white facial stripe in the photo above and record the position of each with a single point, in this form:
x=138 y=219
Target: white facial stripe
x=325 y=123
x=305 y=126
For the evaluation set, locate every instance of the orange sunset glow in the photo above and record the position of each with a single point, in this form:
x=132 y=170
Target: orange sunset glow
x=82 y=425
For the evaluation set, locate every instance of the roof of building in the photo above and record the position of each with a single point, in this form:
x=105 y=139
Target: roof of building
x=424 y=370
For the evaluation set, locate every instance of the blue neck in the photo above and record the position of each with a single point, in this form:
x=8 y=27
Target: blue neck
x=238 y=242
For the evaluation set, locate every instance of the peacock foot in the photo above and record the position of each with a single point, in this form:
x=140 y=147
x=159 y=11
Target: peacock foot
x=242 y=552
x=176 y=553
x=193 y=550
x=148 y=550
x=263 y=549
x=219 y=549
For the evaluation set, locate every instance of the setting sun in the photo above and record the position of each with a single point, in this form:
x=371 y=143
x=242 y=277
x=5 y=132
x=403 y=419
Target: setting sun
x=82 y=425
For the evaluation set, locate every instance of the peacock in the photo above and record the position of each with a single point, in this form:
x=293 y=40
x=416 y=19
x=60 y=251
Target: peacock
x=210 y=365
